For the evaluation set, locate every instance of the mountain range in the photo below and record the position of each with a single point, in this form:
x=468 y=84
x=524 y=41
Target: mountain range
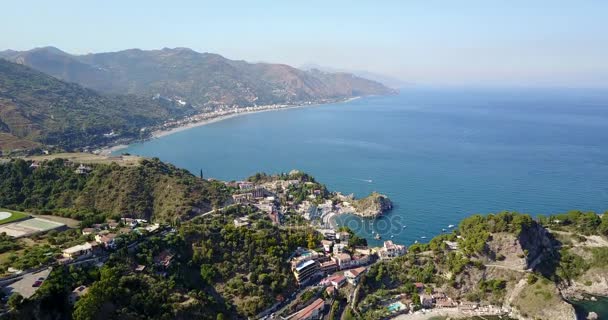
x=387 y=80
x=50 y=97
x=201 y=79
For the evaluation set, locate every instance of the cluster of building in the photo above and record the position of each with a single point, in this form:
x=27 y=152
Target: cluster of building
x=312 y=311
x=105 y=235
x=391 y=251
x=433 y=298
x=337 y=256
x=211 y=113
x=257 y=196
x=279 y=197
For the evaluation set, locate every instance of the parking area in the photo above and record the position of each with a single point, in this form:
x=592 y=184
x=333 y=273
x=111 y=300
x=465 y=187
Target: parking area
x=26 y=286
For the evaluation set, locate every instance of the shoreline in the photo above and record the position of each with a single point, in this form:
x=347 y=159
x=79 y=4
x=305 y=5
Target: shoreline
x=159 y=133
x=445 y=312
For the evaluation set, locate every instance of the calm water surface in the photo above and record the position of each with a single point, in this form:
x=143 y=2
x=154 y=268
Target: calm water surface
x=600 y=306
x=440 y=155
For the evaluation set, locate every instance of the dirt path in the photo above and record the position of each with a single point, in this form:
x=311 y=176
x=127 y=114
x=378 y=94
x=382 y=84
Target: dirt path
x=506 y=268
x=516 y=291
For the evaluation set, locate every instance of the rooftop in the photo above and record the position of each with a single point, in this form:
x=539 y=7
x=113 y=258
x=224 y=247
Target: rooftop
x=343 y=256
x=304 y=264
x=81 y=247
x=328 y=263
x=357 y=271
x=310 y=309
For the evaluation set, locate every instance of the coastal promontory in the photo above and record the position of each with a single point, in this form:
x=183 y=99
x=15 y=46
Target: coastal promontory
x=372 y=206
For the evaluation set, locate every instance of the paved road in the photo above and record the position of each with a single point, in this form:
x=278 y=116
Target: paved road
x=24 y=286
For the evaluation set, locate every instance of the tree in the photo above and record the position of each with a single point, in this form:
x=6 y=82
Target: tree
x=207 y=273
x=310 y=240
x=416 y=301
x=603 y=228
x=15 y=301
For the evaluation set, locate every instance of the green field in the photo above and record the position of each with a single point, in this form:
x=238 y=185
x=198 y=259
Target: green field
x=15 y=215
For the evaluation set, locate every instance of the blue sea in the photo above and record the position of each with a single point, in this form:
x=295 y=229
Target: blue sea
x=439 y=154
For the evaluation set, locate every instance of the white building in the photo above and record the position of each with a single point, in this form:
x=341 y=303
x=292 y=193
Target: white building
x=81 y=250
x=339 y=248
x=353 y=275
x=390 y=250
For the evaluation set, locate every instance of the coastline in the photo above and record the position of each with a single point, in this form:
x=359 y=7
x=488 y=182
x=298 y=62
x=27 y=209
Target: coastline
x=159 y=133
x=426 y=314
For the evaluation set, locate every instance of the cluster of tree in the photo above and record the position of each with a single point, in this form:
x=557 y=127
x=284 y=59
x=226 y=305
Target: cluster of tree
x=8 y=243
x=476 y=230
x=353 y=240
x=67 y=238
x=262 y=177
x=152 y=189
x=587 y=223
x=300 y=192
x=116 y=292
x=297 y=193
x=493 y=285
x=246 y=265
x=131 y=295
x=386 y=279
x=30 y=257
x=570 y=265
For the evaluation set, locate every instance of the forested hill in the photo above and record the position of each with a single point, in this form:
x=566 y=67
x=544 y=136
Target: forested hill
x=37 y=108
x=150 y=190
x=203 y=79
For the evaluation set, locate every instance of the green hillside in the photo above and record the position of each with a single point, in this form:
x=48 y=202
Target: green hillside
x=152 y=190
x=36 y=107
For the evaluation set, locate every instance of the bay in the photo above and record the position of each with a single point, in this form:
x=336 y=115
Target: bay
x=439 y=154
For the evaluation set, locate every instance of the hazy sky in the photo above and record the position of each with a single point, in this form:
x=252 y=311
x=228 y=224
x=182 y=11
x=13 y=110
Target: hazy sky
x=531 y=42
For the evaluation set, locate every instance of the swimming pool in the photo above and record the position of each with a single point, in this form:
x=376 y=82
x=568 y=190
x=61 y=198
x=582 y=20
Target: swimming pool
x=396 y=306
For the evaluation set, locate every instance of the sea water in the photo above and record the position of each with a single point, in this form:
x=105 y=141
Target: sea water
x=439 y=154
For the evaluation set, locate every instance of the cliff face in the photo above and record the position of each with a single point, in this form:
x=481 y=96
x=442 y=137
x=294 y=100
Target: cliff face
x=373 y=205
x=537 y=244
x=514 y=257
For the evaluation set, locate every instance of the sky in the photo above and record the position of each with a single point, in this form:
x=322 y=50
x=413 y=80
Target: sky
x=456 y=43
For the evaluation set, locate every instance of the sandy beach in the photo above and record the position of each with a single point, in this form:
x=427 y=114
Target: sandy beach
x=165 y=132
